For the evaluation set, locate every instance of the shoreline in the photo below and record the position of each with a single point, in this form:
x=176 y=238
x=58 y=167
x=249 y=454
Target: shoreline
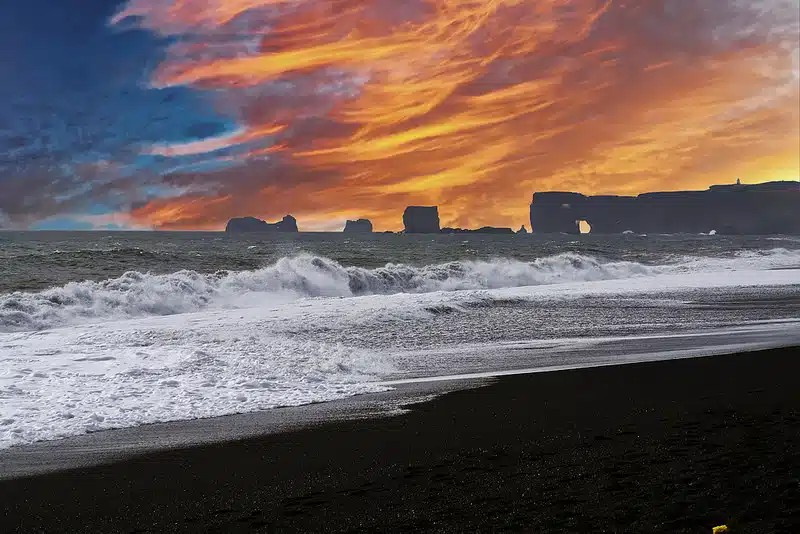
x=118 y=444
x=677 y=445
x=121 y=444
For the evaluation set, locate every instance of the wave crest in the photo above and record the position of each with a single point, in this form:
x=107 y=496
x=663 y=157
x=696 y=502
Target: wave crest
x=136 y=294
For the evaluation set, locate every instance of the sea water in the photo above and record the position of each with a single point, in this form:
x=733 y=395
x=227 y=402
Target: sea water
x=109 y=330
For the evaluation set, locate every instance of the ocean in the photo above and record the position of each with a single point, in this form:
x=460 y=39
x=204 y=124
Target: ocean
x=102 y=330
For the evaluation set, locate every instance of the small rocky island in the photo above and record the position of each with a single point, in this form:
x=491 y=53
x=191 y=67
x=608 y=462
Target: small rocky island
x=425 y=220
x=421 y=220
x=483 y=230
x=241 y=225
x=360 y=226
x=737 y=209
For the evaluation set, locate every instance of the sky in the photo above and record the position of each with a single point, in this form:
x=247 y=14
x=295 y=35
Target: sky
x=180 y=114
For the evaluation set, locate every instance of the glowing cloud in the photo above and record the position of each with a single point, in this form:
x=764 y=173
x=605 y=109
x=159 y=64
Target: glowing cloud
x=212 y=144
x=474 y=104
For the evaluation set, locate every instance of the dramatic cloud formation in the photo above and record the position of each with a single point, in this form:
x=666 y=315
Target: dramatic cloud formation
x=355 y=108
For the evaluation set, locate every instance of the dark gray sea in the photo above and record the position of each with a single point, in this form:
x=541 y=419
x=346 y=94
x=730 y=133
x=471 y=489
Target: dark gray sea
x=31 y=261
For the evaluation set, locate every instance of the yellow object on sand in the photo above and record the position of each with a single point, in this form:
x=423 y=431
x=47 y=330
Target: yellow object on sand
x=720 y=529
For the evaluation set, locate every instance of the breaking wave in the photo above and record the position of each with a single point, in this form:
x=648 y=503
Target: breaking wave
x=136 y=294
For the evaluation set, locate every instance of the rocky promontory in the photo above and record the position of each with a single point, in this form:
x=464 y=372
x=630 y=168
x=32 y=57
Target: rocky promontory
x=250 y=224
x=759 y=209
x=360 y=226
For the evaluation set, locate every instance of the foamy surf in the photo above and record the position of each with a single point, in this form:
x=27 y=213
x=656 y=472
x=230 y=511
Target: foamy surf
x=77 y=379
x=137 y=294
x=56 y=385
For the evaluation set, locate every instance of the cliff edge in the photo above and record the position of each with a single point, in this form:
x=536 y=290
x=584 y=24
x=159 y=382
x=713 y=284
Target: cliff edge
x=760 y=209
x=251 y=224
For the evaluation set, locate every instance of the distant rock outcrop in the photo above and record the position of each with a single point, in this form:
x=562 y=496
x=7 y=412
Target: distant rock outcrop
x=421 y=220
x=361 y=226
x=483 y=230
x=768 y=208
x=251 y=224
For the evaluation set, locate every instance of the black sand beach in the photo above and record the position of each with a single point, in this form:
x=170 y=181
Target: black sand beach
x=674 y=446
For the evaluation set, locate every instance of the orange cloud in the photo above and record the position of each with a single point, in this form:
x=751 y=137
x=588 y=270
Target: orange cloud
x=212 y=144
x=475 y=104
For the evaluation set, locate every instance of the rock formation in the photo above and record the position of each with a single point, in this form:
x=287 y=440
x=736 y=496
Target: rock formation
x=768 y=208
x=421 y=220
x=251 y=224
x=361 y=226
x=484 y=230
x=425 y=220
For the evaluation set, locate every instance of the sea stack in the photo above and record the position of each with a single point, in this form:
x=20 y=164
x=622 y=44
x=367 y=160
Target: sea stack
x=737 y=209
x=250 y=224
x=421 y=220
x=360 y=226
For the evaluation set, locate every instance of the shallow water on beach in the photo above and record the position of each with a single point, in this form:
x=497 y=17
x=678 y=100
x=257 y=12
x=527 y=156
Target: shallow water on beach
x=109 y=330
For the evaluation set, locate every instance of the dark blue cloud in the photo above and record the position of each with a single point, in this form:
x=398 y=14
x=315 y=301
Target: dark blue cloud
x=73 y=91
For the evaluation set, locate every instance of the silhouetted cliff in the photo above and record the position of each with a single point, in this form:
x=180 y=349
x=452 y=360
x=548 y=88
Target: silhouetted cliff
x=483 y=230
x=251 y=224
x=769 y=208
x=421 y=220
x=361 y=226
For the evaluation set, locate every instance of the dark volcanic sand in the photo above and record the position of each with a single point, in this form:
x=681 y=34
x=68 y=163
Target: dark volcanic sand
x=675 y=446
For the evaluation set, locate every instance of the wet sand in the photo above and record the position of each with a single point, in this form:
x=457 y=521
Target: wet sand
x=671 y=446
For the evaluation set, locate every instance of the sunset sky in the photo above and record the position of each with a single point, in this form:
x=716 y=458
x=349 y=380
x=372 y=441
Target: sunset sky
x=179 y=114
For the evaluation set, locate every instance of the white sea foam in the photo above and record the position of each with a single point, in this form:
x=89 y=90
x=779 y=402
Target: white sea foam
x=145 y=348
x=63 y=383
x=77 y=379
x=138 y=294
